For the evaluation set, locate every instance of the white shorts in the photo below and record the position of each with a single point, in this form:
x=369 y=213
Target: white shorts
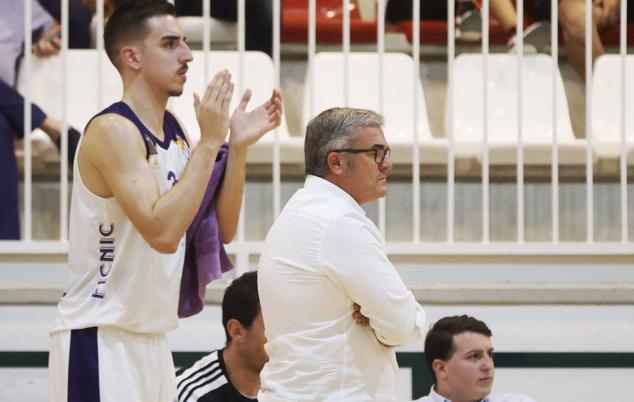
x=108 y=364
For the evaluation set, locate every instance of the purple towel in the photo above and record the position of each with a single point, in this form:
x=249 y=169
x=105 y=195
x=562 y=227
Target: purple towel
x=205 y=255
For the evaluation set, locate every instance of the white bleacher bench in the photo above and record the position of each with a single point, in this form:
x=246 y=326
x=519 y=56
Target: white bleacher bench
x=363 y=92
x=82 y=101
x=606 y=107
x=537 y=125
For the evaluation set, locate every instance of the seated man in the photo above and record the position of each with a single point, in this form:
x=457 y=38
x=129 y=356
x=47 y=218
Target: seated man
x=232 y=373
x=459 y=355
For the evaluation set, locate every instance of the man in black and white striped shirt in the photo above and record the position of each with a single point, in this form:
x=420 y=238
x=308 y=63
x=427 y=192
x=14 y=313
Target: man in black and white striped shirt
x=231 y=374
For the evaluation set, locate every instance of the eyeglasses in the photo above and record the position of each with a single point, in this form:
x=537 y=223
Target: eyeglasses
x=380 y=154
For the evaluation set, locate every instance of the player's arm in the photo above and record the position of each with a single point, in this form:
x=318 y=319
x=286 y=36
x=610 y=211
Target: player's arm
x=161 y=220
x=246 y=129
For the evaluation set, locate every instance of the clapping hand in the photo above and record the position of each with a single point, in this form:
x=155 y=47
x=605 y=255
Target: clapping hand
x=248 y=127
x=212 y=111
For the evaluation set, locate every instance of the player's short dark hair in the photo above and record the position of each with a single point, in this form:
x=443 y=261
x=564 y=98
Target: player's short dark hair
x=439 y=340
x=129 y=22
x=241 y=301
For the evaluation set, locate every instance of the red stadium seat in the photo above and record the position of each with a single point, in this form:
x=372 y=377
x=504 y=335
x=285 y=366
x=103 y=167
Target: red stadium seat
x=329 y=21
x=612 y=36
x=329 y=25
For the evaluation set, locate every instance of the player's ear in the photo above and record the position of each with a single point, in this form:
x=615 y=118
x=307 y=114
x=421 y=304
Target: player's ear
x=235 y=329
x=130 y=56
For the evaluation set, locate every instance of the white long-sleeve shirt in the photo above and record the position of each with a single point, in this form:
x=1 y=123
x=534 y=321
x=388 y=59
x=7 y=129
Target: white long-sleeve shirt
x=321 y=256
x=436 y=397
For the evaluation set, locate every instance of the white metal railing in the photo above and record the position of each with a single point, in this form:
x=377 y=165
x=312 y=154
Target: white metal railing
x=63 y=181
x=520 y=120
x=451 y=173
x=485 y=121
x=589 y=167
x=27 y=127
x=623 y=164
x=243 y=249
x=554 y=165
x=416 y=100
x=380 y=48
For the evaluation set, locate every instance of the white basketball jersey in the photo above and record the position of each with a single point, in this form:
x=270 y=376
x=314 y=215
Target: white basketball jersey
x=116 y=278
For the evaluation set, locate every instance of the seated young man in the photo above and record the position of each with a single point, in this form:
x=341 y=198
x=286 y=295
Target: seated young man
x=231 y=374
x=459 y=354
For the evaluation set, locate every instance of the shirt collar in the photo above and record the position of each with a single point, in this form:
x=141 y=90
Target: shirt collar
x=436 y=397
x=323 y=185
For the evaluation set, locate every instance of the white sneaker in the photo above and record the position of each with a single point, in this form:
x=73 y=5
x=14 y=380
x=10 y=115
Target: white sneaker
x=536 y=39
x=469 y=26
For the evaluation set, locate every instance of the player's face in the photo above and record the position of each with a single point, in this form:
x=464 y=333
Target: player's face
x=469 y=373
x=366 y=179
x=254 y=344
x=165 y=54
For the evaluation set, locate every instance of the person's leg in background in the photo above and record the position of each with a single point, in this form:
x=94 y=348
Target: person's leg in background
x=572 y=22
x=504 y=12
x=12 y=126
x=9 y=215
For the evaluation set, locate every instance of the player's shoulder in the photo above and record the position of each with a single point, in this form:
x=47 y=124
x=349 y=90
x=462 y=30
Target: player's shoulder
x=206 y=370
x=111 y=124
x=208 y=365
x=113 y=131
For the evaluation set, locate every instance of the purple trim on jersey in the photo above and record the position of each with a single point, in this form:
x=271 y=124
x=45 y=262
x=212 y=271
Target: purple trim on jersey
x=83 y=366
x=170 y=120
x=171 y=129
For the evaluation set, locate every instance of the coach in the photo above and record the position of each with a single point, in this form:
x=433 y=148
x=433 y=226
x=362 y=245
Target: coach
x=322 y=259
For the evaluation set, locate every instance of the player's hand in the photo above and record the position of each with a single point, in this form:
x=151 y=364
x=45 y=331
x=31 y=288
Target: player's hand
x=49 y=44
x=248 y=127
x=212 y=111
x=359 y=318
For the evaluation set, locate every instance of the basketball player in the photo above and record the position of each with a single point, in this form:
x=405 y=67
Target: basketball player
x=137 y=187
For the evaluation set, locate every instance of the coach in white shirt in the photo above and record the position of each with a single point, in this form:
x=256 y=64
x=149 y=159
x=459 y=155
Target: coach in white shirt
x=459 y=354
x=322 y=257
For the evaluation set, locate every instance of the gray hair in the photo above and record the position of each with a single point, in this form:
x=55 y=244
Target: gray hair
x=331 y=129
